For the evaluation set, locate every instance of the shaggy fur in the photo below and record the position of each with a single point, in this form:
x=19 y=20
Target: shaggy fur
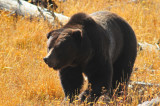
x=102 y=45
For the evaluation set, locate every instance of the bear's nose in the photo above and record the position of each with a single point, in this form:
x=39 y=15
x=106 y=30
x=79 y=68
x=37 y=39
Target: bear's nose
x=45 y=59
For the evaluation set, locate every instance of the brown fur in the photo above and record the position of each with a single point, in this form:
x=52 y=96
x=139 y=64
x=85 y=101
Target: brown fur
x=101 y=45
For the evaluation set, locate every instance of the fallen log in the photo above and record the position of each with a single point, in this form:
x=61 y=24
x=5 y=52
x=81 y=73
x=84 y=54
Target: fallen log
x=144 y=46
x=24 y=8
x=153 y=102
x=139 y=86
x=144 y=84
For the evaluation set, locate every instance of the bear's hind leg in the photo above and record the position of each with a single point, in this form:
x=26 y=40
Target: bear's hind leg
x=122 y=70
x=71 y=80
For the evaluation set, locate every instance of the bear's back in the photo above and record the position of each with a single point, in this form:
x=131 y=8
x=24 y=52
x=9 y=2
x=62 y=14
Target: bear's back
x=109 y=21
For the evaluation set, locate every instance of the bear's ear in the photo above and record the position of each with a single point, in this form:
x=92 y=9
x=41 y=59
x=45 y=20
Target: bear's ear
x=77 y=35
x=88 y=23
x=49 y=34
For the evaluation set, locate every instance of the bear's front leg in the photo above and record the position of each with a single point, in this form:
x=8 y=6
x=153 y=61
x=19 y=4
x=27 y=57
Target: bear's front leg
x=100 y=82
x=71 y=80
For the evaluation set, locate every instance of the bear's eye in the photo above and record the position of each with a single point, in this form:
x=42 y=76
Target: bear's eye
x=49 y=47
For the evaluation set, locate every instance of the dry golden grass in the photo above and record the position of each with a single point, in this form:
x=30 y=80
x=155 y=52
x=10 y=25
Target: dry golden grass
x=26 y=80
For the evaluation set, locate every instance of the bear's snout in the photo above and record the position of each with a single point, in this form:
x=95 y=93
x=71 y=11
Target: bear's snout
x=45 y=59
x=50 y=63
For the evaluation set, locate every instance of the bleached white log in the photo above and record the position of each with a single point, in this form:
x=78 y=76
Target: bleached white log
x=148 y=46
x=24 y=8
x=153 y=102
x=143 y=84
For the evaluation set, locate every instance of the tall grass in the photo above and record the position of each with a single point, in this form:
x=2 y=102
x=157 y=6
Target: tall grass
x=26 y=80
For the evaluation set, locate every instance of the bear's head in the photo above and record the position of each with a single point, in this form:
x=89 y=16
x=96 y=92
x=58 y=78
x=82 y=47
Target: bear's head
x=64 y=47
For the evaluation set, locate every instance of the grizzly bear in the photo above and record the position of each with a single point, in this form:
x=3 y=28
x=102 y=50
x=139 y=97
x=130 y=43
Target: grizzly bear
x=102 y=46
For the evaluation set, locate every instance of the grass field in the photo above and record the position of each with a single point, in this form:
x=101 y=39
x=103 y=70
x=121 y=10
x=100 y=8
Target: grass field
x=26 y=80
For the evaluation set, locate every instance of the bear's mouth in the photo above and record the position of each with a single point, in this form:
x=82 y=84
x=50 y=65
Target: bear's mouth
x=55 y=67
x=59 y=67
